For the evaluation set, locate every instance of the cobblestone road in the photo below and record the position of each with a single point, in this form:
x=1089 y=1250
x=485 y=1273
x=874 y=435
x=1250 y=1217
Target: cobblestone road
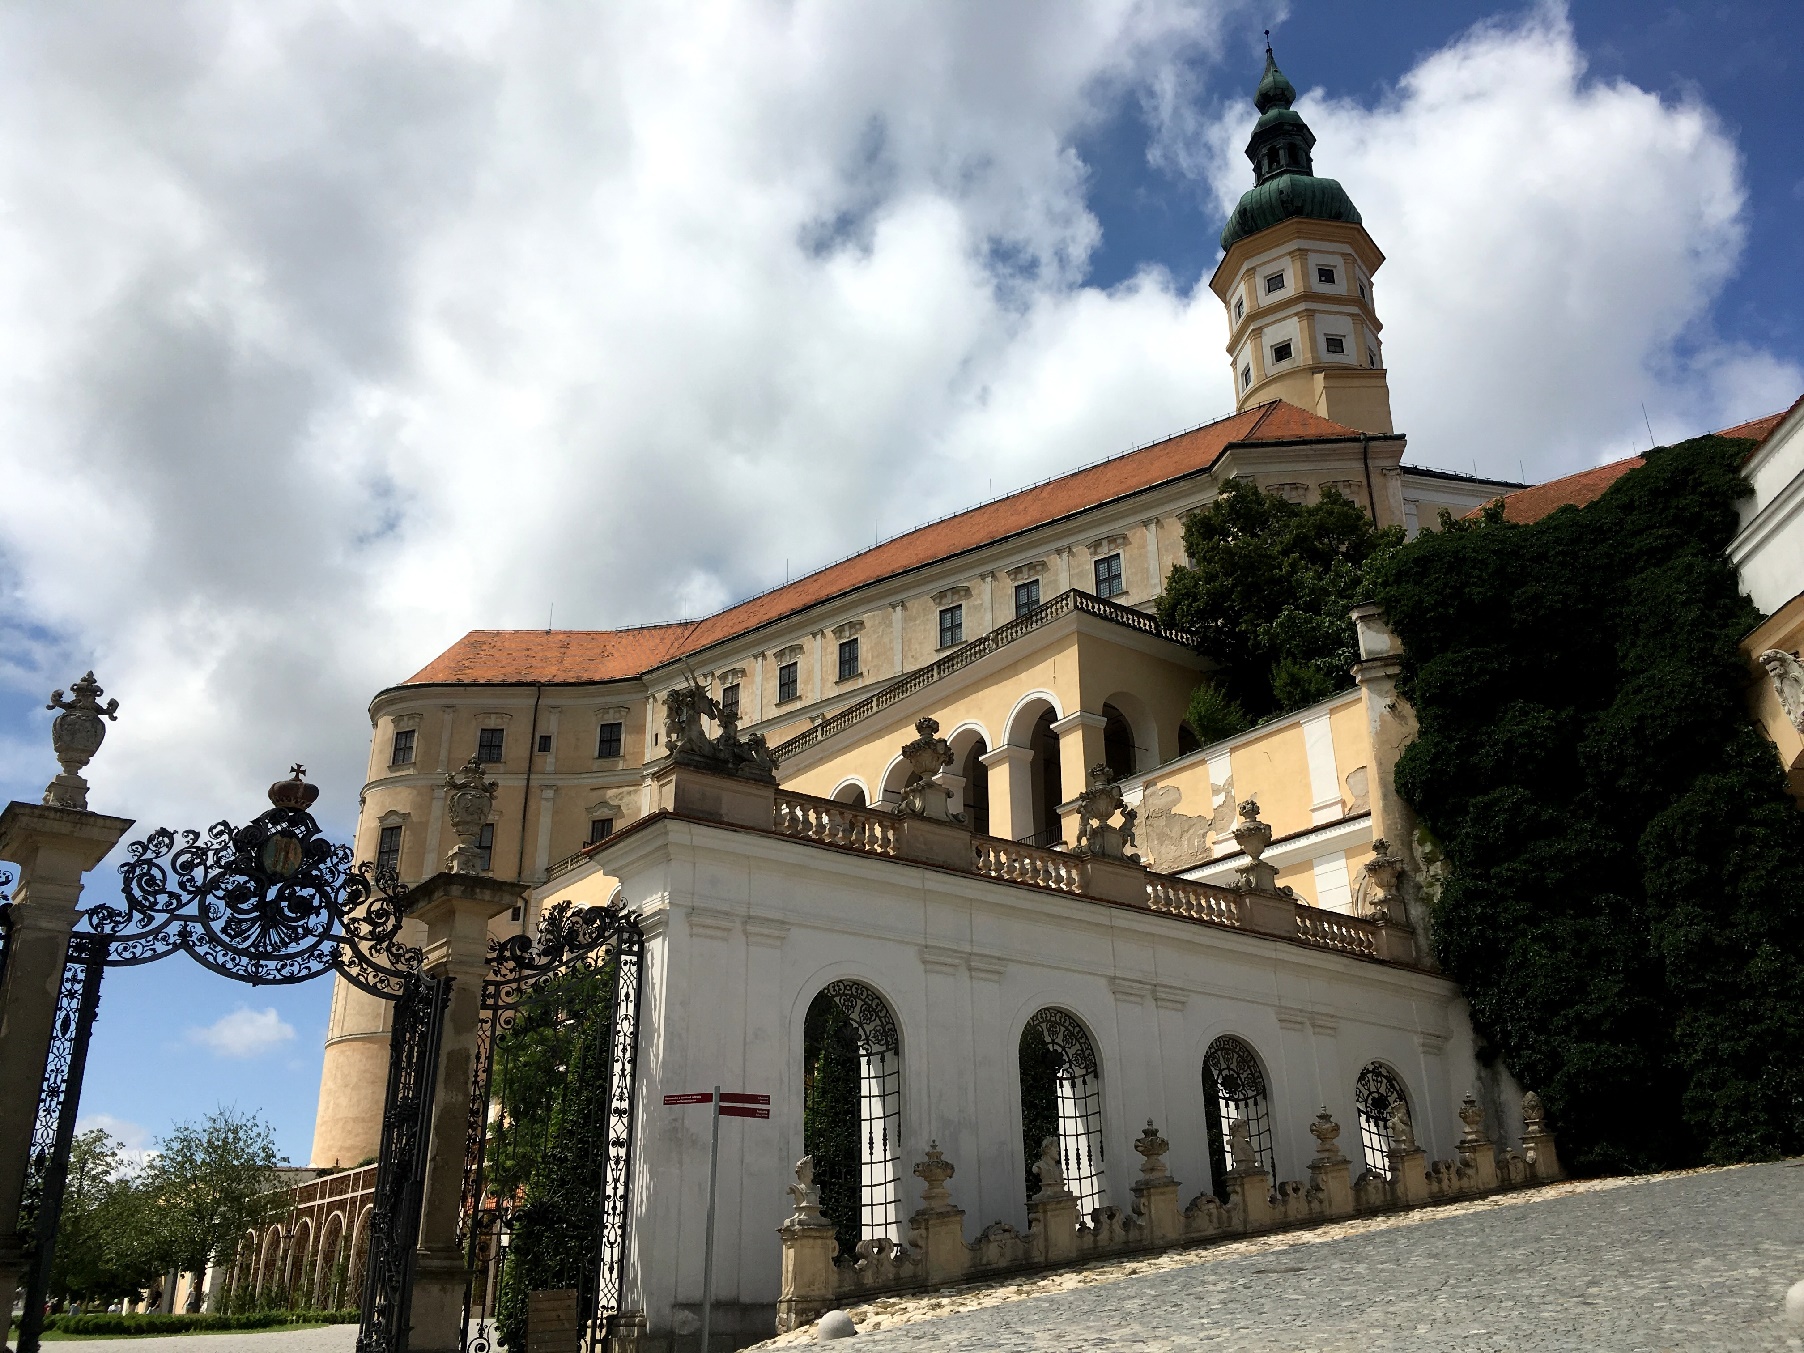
x=1687 y=1262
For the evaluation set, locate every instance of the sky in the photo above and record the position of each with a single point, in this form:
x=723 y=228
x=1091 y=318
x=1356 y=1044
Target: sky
x=329 y=332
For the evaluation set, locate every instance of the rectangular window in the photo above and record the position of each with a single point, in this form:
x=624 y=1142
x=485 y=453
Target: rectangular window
x=1362 y=291
x=729 y=700
x=1281 y=352
x=403 y=753
x=1027 y=596
x=1275 y=282
x=600 y=829
x=1325 y=276
x=608 y=739
x=488 y=744
x=544 y=742
x=1240 y=307
x=485 y=845
x=952 y=625
x=388 y=851
x=1334 y=342
x=848 y=659
x=1371 y=356
x=1108 y=576
x=1246 y=375
x=786 y=682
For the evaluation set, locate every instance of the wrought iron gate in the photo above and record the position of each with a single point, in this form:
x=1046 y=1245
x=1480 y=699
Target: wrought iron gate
x=554 y=980
x=401 y=1164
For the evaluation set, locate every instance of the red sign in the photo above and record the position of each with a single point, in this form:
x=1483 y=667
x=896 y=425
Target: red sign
x=705 y=1097
x=742 y=1111
x=727 y=1097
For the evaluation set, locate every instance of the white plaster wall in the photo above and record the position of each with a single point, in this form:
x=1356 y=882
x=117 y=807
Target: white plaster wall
x=745 y=929
x=1769 y=548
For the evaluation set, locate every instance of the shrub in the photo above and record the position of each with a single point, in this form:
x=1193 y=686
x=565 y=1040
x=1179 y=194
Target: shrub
x=109 y=1322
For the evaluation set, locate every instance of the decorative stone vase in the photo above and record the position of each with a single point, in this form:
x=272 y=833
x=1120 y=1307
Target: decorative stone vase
x=468 y=801
x=75 y=735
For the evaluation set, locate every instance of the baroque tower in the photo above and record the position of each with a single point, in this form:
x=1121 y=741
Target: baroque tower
x=1296 y=279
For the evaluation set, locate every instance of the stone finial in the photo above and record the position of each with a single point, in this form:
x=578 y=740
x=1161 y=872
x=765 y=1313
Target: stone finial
x=927 y=756
x=1241 y=1156
x=75 y=735
x=1534 y=1117
x=1253 y=836
x=1051 y=1173
x=807 y=1198
x=934 y=1172
x=1403 y=1131
x=1382 y=873
x=1327 y=1139
x=1152 y=1147
x=1097 y=803
x=1472 y=1114
x=468 y=800
x=1787 y=675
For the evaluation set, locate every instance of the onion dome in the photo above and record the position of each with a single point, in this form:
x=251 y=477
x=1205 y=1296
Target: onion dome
x=1284 y=181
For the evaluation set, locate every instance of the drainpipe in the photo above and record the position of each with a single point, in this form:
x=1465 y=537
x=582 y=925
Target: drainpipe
x=532 y=750
x=1365 y=459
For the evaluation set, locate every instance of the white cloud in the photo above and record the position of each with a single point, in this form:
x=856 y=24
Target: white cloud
x=244 y=1033
x=329 y=332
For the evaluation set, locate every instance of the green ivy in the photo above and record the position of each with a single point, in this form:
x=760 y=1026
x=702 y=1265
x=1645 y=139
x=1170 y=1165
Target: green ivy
x=1622 y=862
x=1040 y=1067
x=830 y=1115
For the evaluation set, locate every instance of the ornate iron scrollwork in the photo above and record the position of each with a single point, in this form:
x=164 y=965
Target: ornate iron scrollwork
x=273 y=901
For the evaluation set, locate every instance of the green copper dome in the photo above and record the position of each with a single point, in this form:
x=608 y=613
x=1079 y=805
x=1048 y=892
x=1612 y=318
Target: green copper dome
x=1284 y=181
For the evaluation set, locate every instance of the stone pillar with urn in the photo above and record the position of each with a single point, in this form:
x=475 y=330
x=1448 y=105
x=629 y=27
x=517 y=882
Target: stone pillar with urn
x=54 y=843
x=455 y=908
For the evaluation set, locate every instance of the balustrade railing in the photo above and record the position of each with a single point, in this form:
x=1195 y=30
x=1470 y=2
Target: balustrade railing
x=1332 y=930
x=1194 y=901
x=1013 y=862
x=835 y=824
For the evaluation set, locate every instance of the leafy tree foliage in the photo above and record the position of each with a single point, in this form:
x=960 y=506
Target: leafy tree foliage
x=1040 y=1067
x=203 y=1185
x=106 y=1240
x=830 y=1083
x=1620 y=897
x=1267 y=593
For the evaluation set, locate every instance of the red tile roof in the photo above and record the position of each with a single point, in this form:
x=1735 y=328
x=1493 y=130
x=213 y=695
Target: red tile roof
x=520 y=657
x=1575 y=490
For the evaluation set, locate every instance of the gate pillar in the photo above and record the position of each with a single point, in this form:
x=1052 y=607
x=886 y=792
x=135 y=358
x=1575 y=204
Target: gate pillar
x=53 y=848
x=456 y=910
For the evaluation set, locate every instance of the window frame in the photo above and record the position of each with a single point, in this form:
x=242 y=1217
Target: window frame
x=788 y=682
x=485 y=846
x=408 y=738
x=1106 y=571
x=1274 y=282
x=1283 y=351
x=602 y=740
x=607 y=829
x=1240 y=308
x=849 y=665
x=1335 y=343
x=729 y=699
x=388 y=848
x=1246 y=376
x=1027 y=596
x=495 y=737
x=952 y=625
x=1326 y=276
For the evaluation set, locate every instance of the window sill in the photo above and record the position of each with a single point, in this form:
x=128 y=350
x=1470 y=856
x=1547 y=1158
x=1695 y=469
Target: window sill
x=609 y=762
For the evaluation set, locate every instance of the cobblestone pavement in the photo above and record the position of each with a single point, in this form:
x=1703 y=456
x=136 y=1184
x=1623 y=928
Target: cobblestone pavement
x=324 y=1339
x=1696 y=1261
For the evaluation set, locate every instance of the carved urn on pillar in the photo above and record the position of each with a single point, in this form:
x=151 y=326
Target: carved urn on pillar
x=468 y=799
x=76 y=734
x=1253 y=836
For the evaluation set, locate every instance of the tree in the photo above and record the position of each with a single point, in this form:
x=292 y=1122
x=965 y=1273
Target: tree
x=1619 y=902
x=105 y=1242
x=204 y=1183
x=830 y=1127
x=1267 y=594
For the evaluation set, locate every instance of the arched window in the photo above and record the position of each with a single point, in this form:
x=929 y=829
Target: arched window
x=852 y=1110
x=1118 y=743
x=1234 y=1090
x=1061 y=1096
x=977 y=788
x=1048 y=784
x=1376 y=1093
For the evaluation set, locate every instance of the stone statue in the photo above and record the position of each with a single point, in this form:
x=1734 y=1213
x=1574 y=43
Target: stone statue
x=1379 y=896
x=1051 y=1173
x=927 y=756
x=686 y=739
x=1403 y=1132
x=468 y=800
x=1152 y=1148
x=1788 y=683
x=1472 y=1114
x=76 y=734
x=934 y=1172
x=1534 y=1117
x=1327 y=1139
x=1241 y=1157
x=807 y=1197
x=1098 y=802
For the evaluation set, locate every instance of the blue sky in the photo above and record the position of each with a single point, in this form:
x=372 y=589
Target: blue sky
x=329 y=335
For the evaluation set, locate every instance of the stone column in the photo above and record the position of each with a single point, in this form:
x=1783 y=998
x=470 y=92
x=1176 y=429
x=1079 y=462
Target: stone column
x=53 y=848
x=455 y=910
x=1080 y=747
x=1011 y=791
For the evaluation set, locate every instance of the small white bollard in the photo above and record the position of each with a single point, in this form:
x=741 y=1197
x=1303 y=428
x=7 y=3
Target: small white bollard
x=834 y=1325
x=1794 y=1303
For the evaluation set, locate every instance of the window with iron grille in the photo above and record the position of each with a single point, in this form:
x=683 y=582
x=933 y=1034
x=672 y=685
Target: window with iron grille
x=608 y=739
x=786 y=682
x=1061 y=1097
x=852 y=1084
x=403 y=752
x=848 y=659
x=1027 y=596
x=485 y=846
x=1234 y=1091
x=488 y=744
x=388 y=850
x=1377 y=1094
x=600 y=829
x=952 y=626
x=729 y=700
x=1108 y=576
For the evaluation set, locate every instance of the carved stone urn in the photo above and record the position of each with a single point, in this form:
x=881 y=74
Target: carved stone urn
x=1327 y=1138
x=1253 y=836
x=468 y=800
x=76 y=734
x=934 y=1172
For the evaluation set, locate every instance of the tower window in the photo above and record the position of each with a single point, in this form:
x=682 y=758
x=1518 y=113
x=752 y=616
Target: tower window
x=1325 y=276
x=607 y=740
x=1274 y=282
x=1240 y=307
x=1246 y=375
x=1108 y=576
x=488 y=744
x=388 y=851
x=1372 y=357
x=952 y=626
x=1281 y=352
x=403 y=753
x=1362 y=291
x=848 y=659
x=1027 y=596
x=1334 y=343
x=786 y=682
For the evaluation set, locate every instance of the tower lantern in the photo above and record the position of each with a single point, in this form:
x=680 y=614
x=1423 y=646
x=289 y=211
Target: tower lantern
x=1296 y=278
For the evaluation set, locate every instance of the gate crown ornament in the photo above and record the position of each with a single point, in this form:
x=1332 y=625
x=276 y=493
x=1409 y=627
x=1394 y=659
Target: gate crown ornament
x=468 y=799
x=76 y=734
